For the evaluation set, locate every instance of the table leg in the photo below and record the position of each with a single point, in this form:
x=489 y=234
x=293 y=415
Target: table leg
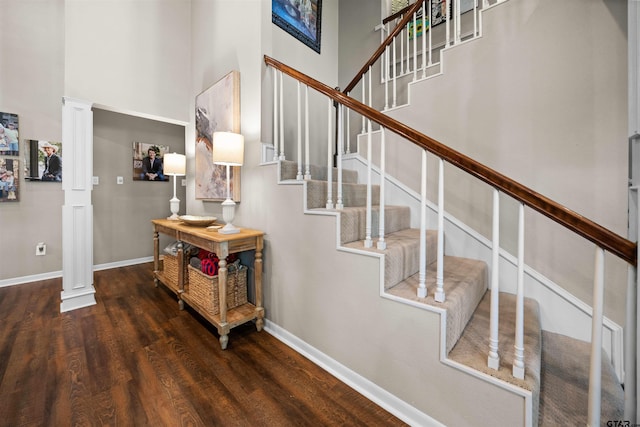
x=156 y=257
x=257 y=268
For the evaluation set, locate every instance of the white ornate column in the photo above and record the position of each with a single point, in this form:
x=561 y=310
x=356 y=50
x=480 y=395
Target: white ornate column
x=77 y=211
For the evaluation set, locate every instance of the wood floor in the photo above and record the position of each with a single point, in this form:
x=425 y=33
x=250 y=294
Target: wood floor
x=134 y=359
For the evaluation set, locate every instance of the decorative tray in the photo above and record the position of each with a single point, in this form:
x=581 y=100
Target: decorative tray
x=198 y=221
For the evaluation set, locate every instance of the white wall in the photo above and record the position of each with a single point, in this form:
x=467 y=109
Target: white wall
x=132 y=55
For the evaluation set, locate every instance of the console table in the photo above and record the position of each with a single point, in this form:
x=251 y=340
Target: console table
x=222 y=245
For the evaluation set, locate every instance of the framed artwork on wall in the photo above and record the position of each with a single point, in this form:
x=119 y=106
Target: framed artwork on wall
x=300 y=18
x=148 y=163
x=9 y=180
x=9 y=138
x=439 y=9
x=42 y=160
x=217 y=110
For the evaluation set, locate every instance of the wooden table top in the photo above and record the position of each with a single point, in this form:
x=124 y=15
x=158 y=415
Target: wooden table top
x=205 y=233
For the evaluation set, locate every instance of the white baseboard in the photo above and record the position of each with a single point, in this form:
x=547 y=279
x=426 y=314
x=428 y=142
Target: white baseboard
x=56 y=274
x=371 y=391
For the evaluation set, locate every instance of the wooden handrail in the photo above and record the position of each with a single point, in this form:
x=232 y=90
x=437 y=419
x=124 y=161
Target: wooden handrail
x=601 y=236
x=405 y=19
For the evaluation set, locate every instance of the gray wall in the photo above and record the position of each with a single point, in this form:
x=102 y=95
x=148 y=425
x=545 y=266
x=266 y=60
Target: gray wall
x=122 y=212
x=31 y=85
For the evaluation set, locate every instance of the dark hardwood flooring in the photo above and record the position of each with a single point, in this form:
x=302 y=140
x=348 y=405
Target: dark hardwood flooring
x=135 y=359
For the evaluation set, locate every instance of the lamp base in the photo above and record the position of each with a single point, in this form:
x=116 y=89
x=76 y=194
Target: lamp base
x=229 y=229
x=228 y=213
x=174 y=205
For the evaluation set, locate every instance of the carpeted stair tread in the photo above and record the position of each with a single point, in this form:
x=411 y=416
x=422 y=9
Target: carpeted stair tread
x=402 y=255
x=565 y=383
x=352 y=194
x=353 y=221
x=472 y=348
x=289 y=170
x=465 y=282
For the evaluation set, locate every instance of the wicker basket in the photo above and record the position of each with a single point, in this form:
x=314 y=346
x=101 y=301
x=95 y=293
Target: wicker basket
x=170 y=269
x=204 y=289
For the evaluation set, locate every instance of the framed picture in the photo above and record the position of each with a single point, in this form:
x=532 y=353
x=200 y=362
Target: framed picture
x=42 y=160
x=9 y=145
x=217 y=110
x=439 y=9
x=9 y=180
x=148 y=164
x=300 y=18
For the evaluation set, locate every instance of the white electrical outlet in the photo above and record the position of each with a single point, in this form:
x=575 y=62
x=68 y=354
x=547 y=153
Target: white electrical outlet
x=95 y=180
x=119 y=180
x=41 y=249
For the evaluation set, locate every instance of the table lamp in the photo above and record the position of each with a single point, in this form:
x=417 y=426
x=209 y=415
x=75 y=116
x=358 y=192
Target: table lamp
x=176 y=165
x=228 y=150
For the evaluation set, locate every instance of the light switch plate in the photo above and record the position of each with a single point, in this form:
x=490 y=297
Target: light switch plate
x=120 y=180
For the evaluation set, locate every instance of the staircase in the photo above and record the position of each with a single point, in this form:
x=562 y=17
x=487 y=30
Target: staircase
x=556 y=366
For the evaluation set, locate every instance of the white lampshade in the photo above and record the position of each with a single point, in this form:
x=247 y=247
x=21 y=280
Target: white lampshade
x=228 y=148
x=175 y=164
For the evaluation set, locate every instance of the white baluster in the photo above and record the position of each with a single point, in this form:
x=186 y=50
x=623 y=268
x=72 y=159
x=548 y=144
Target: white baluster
x=307 y=172
x=422 y=266
x=630 y=344
x=430 y=35
x=595 y=369
x=367 y=241
x=329 y=159
x=382 y=245
x=518 y=362
x=386 y=80
x=424 y=39
x=364 y=123
x=340 y=126
x=439 y=296
x=299 y=175
x=475 y=18
x=370 y=104
x=383 y=34
x=494 y=357
x=457 y=21
x=415 y=46
x=282 y=157
x=447 y=26
x=395 y=77
x=276 y=125
x=406 y=33
x=401 y=37
x=348 y=132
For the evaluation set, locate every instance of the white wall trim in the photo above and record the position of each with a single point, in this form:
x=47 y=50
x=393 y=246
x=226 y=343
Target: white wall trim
x=370 y=390
x=141 y=115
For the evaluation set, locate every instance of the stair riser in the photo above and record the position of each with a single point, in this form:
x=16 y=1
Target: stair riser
x=352 y=194
x=353 y=222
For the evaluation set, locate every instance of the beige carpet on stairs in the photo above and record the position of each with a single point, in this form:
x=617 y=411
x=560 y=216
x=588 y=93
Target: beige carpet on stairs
x=558 y=375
